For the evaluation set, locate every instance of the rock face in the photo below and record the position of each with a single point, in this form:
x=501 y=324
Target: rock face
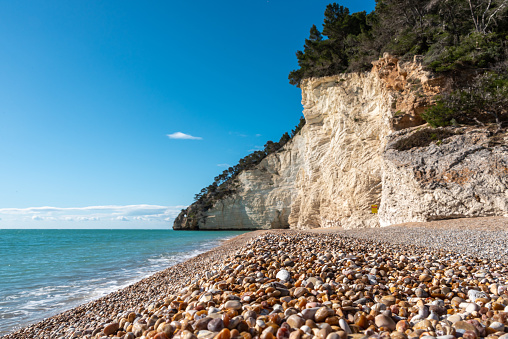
x=344 y=160
x=465 y=175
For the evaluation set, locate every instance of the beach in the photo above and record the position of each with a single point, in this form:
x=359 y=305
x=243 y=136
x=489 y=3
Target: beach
x=442 y=279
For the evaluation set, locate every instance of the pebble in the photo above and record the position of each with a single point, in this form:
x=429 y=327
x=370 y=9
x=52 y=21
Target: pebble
x=295 y=321
x=385 y=321
x=111 y=328
x=283 y=275
x=215 y=325
x=344 y=325
x=297 y=285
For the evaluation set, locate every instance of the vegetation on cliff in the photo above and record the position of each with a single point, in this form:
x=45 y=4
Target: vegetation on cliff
x=484 y=100
x=450 y=35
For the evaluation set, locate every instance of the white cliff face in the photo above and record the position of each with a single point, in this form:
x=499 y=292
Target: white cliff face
x=339 y=164
x=329 y=174
x=347 y=122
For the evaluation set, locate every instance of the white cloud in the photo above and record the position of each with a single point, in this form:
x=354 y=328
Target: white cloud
x=180 y=135
x=258 y=135
x=238 y=134
x=224 y=165
x=99 y=215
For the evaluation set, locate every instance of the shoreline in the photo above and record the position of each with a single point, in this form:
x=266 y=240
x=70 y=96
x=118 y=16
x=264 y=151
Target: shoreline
x=135 y=290
x=152 y=291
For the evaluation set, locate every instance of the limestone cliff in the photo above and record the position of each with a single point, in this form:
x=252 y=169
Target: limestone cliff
x=344 y=160
x=463 y=175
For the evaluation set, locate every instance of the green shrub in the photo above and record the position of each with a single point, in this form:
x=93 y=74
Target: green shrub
x=439 y=114
x=484 y=101
x=475 y=50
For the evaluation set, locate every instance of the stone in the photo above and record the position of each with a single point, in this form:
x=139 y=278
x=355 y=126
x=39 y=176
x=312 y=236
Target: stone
x=295 y=321
x=300 y=291
x=344 y=325
x=454 y=318
x=201 y=324
x=469 y=335
x=420 y=293
x=402 y=326
x=283 y=275
x=233 y=304
x=499 y=327
x=388 y=300
x=204 y=334
x=309 y=313
x=206 y=297
x=462 y=326
x=385 y=321
x=398 y=335
x=323 y=313
x=111 y=328
x=474 y=294
x=425 y=277
x=215 y=325
x=296 y=334
x=306 y=329
x=472 y=307
x=322 y=333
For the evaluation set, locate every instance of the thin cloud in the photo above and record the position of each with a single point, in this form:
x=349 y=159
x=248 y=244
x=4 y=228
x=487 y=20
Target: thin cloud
x=258 y=135
x=238 y=134
x=183 y=136
x=224 y=165
x=154 y=213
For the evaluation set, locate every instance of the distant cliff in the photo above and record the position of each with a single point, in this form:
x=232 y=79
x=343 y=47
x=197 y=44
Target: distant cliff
x=364 y=144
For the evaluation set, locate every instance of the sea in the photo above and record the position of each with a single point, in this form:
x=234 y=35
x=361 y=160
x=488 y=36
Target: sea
x=45 y=272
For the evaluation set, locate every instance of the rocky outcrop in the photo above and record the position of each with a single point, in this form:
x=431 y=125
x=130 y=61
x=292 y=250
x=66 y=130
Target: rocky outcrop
x=464 y=175
x=344 y=160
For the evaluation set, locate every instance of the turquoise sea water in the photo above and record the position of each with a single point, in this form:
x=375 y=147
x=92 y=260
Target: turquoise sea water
x=44 y=272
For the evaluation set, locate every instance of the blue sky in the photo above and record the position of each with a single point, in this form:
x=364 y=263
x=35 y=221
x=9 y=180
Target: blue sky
x=91 y=91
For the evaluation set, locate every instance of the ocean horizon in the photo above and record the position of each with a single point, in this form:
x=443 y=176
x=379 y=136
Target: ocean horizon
x=44 y=272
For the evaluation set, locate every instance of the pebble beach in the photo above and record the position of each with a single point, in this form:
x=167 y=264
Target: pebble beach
x=444 y=280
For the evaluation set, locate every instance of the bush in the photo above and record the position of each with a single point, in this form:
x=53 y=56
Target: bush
x=475 y=50
x=439 y=114
x=485 y=101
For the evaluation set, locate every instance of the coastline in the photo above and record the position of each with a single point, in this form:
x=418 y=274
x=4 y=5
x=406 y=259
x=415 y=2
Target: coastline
x=166 y=281
x=145 y=296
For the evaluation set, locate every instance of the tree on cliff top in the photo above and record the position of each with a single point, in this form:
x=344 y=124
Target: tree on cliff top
x=450 y=34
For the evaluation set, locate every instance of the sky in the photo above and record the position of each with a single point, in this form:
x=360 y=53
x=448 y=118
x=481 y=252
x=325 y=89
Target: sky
x=114 y=114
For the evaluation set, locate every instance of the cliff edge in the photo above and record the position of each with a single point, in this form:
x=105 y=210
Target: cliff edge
x=356 y=150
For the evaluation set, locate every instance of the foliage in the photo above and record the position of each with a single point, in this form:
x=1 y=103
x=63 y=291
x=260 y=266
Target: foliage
x=474 y=51
x=450 y=34
x=484 y=101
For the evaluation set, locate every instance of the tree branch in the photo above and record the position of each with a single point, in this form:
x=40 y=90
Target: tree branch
x=472 y=15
